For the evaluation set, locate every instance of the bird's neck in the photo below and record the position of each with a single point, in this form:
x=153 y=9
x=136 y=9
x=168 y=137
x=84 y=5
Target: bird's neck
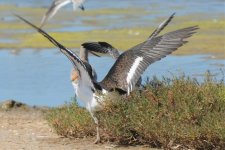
x=83 y=54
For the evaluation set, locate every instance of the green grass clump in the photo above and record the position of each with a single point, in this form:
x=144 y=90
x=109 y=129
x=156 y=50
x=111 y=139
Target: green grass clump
x=178 y=112
x=71 y=121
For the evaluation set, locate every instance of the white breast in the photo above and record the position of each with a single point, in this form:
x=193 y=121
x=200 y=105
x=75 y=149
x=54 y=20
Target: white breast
x=92 y=101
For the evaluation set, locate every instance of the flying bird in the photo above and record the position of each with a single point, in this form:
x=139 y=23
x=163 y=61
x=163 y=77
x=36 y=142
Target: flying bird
x=56 y=5
x=125 y=72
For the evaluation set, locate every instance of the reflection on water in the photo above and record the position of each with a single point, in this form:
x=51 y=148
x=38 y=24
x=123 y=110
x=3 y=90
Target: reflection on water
x=42 y=78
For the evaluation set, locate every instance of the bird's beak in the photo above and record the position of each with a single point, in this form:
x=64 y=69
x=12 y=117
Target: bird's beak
x=94 y=54
x=82 y=7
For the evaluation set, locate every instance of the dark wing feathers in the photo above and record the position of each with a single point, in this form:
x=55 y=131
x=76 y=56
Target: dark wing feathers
x=52 y=40
x=106 y=48
x=155 y=32
x=151 y=50
x=161 y=26
x=76 y=61
x=102 y=47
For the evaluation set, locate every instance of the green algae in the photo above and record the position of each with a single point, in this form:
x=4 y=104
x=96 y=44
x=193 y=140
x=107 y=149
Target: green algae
x=208 y=40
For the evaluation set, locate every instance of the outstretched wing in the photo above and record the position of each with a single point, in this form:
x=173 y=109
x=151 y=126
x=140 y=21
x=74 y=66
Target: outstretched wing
x=76 y=61
x=161 y=26
x=56 y=5
x=131 y=64
x=106 y=48
x=102 y=47
x=156 y=31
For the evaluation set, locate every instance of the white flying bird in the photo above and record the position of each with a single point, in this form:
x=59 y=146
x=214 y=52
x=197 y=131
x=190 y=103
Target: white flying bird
x=56 y=5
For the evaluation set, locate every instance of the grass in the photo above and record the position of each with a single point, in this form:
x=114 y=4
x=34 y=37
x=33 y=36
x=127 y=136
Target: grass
x=71 y=121
x=172 y=112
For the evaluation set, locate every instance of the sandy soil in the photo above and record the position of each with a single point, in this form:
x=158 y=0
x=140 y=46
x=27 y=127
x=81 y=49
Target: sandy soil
x=27 y=129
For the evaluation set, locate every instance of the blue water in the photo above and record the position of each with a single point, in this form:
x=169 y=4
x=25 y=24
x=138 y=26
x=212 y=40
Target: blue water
x=42 y=78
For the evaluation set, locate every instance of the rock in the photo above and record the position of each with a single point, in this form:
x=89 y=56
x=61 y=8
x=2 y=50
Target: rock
x=8 y=104
x=19 y=104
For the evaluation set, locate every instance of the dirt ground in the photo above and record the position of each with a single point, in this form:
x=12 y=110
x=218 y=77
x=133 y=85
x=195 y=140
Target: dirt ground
x=27 y=129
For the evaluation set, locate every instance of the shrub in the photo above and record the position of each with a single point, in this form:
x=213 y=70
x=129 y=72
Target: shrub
x=178 y=112
x=71 y=120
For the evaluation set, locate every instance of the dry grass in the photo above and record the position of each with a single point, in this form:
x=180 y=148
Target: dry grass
x=173 y=112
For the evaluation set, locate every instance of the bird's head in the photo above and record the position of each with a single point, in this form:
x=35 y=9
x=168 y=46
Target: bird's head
x=82 y=7
x=78 y=4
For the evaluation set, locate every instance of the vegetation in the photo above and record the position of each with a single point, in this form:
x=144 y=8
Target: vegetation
x=173 y=112
x=71 y=120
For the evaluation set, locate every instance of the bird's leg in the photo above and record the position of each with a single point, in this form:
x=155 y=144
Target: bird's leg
x=98 y=140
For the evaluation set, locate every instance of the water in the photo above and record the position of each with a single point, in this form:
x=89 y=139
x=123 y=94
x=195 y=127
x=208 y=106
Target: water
x=42 y=78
